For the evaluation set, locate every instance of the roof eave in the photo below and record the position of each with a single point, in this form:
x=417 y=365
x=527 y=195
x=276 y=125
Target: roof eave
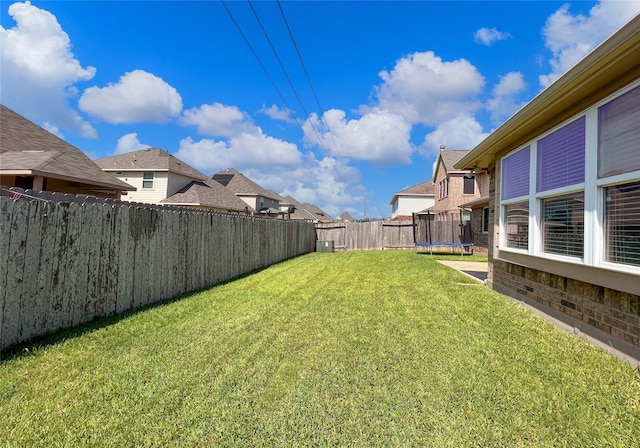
x=93 y=184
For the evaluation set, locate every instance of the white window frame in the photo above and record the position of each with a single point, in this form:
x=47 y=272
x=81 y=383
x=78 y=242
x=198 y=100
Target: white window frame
x=594 y=201
x=152 y=180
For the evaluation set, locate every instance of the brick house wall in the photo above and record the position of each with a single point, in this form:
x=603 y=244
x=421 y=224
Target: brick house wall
x=480 y=238
x=449 y=204
x=612 y=312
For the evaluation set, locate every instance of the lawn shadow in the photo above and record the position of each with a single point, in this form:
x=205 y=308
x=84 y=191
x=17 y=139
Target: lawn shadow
x=27 y=348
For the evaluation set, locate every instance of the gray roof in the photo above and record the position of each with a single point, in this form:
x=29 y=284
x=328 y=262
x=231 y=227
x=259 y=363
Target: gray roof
x=307 y=212
x=317 y=213
x=450 y=157
x=152 y=159
x=275 y=195
x=241 y=185
x=346 y=217
x=26 y=147
x=209 y=194
x=424 y=188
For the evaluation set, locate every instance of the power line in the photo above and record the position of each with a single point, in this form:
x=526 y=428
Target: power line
x=264 y=69
x=304 y=68
x=284 y=70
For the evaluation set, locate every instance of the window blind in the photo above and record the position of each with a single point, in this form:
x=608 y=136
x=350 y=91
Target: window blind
x=619 y=135
x=515 y=174
x=622 y=223
x=563 y=224
x=561 y=157
x=517 y=225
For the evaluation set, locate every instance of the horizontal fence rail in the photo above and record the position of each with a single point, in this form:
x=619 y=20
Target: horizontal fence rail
x=66 y=263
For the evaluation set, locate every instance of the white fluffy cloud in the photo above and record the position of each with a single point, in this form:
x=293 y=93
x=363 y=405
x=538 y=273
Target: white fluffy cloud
x=278 y=114
x=242 y=151
x=570 y=37
x=425 y=89
x=503 y=102
x=462 y=132
x=39 y=69
x=328 y=183
x=128 y=143
x=218 y=120
x=138 y=97
x=380 y=137
x=487 y=36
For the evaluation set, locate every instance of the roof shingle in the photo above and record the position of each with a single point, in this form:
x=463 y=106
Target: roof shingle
x=25 y=146
x=151 y=159
x=210 y=194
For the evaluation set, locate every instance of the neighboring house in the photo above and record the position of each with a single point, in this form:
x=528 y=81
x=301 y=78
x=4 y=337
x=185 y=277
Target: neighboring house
x=305 y=212
x=250 y=192
x=33 y=158
x=479 y=209
x=345 y=217
x=565 y=198
x=461 y=195
x=412 y=200
x=155 y=173
x=318 y=214
x=208 y=194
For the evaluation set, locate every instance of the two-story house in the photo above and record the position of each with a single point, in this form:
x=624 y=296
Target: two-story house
x=250 y=192
x=462 y=195
x=412 y=200
x=304 y=212
x=155 y=173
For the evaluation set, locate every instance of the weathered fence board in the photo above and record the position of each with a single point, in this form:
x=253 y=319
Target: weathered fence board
x=68 y=263
x=367 y=235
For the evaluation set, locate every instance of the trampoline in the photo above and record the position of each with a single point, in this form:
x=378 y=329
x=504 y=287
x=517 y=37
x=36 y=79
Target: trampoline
x=443 y=235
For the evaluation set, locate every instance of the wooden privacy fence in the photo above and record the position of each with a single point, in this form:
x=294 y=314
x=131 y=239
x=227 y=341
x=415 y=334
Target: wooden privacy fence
x=393 y=234
x=367 y=235
x=67 y=263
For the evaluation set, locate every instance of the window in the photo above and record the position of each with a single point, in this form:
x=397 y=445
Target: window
x=561 y=157
x=147 y=179
x=485 y=220
x=588 y=168
x=517 y=225
x=622 y=223
x=469 y=185
x=563 y=225
x=515 y=174
x=444 y=188
x=619 y=135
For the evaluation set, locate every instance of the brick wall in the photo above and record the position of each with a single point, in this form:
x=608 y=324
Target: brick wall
x=608 y=310
x=480 y=239
x=613 y=312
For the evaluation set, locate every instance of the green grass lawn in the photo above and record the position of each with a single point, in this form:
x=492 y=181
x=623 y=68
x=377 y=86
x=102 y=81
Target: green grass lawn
x=347 y=349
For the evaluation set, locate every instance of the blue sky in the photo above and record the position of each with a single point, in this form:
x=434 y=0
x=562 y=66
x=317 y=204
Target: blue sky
x=389 y=82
